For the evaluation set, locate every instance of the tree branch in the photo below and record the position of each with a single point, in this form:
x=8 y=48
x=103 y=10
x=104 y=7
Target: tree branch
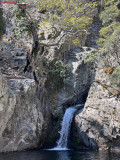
x=65 y=34
x=96 y=81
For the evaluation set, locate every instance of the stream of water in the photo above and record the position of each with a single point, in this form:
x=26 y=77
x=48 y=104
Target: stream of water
x=62 y=143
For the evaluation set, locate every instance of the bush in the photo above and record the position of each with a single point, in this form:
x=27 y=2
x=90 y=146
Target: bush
x=115 y=77
x=59 y=75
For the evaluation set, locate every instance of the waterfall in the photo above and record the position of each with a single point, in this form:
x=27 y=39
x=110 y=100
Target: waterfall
x=62 y=143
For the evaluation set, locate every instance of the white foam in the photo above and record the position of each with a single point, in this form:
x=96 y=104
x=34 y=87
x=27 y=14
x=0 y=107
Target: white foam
x=62 y=143
x=58 y=149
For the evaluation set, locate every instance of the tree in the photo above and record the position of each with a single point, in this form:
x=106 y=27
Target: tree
x=115 y=77
x=67 y=18
x=110 y=33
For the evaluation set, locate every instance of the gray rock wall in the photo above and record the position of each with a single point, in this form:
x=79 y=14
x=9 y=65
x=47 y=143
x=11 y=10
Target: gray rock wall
x=98 y=126
x=21 y=114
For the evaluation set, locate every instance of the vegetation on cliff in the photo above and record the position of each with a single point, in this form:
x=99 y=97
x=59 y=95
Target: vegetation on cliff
x=60 y=75
x=2 y=23
x=67 y=20
x=110 y=33
x=109 y=40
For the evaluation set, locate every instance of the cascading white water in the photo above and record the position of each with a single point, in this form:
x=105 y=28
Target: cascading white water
x=66 y=124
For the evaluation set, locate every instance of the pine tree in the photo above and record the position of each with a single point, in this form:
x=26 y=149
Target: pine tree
x=110 y=33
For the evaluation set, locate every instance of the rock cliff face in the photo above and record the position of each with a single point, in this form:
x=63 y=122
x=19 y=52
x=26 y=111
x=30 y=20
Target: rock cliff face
x=24 y=106
x=28 y=110
x=21 y=118
x=98 y=125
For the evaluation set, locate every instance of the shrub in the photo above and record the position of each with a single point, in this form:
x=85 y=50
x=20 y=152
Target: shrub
x=59 y=75
x=115 y=77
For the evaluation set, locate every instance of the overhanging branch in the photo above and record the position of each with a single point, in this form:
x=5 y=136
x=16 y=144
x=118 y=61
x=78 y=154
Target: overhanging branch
x=65 y=34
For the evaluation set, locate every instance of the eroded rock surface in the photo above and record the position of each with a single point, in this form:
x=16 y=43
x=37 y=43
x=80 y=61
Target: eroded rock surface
x=98 y=125
x=21 y=117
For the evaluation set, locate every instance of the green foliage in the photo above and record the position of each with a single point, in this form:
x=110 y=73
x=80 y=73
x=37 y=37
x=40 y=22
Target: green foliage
x=109 y=15
x=109 y=40
x=22 y=26
x=110 y=20
x=115 y=77
x=2 y=23
x=67 y=15
x=109 y=35
x=23 y=23
x=59 y=75
x=91 y=56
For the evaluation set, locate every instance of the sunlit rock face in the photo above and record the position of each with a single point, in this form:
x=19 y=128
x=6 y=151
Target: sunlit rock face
x=98 y=126
x=21 y=119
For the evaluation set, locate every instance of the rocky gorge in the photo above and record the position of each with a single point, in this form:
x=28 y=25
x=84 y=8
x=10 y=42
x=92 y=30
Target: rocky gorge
x=31 y=112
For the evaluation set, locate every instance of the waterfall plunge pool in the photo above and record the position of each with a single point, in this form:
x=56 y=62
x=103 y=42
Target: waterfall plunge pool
x=61 y=151
x=59 y=155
